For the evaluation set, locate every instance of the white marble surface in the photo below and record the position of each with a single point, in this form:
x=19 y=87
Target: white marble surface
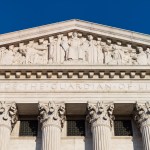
x=74 y=62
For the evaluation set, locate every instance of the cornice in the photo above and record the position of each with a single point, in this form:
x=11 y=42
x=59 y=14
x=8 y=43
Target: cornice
x=61 y=27
x=74 y=72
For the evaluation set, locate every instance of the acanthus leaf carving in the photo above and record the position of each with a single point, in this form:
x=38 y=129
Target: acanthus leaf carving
x=100 y=114
x=8 y=113
x=52 y=113
x=142 y=113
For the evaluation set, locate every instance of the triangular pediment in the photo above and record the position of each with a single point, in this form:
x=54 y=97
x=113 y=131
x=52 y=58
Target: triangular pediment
x=74 y=42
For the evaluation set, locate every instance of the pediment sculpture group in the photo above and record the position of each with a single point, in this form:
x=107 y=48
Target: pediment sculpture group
x=74 y=48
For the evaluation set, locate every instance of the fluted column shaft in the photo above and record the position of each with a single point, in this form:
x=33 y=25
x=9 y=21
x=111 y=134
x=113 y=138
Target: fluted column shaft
x=51 y=136
x=52 y=119
x=8 y=117
x=101 y=137
x=100 y=118
x=4 y=137
x=145 y=130
x=142 y=116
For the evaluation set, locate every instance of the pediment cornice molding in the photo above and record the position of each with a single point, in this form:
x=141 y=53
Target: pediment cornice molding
x=66 y=26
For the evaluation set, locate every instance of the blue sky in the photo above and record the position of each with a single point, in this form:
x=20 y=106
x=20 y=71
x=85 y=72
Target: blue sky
x=126 y=14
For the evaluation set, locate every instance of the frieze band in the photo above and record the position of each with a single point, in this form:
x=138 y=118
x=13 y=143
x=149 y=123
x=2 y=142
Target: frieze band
x=74 y=48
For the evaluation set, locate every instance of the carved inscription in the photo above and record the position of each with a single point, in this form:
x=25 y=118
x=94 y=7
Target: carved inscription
x=74 y=87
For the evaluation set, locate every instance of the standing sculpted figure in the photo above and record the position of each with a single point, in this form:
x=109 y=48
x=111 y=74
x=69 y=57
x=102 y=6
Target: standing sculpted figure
x=118 y=54
x=142 y=57
x=74 y=42
x=41 y=50
x=8 y=56
x=65 y=48
x=30 y=53
x=2 y=53
x=92 y=52
x=55 y=50
x=100 y=55
x=84 y=49
x=60 y=53
x=107 y=52
x=52 y=50
x=128 y=59
x=133 y=55
x=148 y=55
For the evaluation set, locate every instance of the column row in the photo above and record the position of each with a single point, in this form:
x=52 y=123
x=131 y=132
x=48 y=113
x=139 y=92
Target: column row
x=53 y=115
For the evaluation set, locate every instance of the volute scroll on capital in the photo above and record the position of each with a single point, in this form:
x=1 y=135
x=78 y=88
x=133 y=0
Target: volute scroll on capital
x=74 y=48
x=52 y=113
x=100 y=114
x=8 y=114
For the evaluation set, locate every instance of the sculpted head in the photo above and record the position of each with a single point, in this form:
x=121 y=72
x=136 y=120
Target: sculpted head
x=83 y=39
x=148 y=50
x=129 y=45
x=140 y=49
x=64 y=38
x=103 y=43
x=90 y=37
x=119 y=43
x=75 y=34
x=108 y=42
x=11 y=47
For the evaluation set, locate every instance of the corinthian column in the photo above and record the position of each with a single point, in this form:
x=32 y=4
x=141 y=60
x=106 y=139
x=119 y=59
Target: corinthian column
x=142 y=116
x=52 y=117
x=100 y=117
x=8 y=117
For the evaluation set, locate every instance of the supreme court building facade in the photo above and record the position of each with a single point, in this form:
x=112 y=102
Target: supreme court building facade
x=74 y=85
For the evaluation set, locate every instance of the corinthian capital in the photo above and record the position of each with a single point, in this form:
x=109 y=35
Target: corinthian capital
x=100 y=113
x=8 y=114
x=52 y=113
x=142 y=113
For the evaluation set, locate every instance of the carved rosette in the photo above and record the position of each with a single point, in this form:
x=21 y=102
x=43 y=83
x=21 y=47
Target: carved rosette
x=142 y=114
x=8 y=114
x=100 y=114
x=52 y=114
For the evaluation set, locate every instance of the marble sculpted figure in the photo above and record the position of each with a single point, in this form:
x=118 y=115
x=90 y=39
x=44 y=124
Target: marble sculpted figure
x=74 y=47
